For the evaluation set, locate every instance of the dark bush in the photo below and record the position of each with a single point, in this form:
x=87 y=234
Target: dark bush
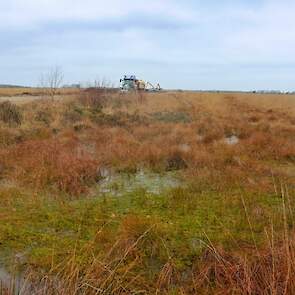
x=80 y=126
x=44 y=117
x=175 y=162
x=93 y=98
x=10 y=113
x=72 y=116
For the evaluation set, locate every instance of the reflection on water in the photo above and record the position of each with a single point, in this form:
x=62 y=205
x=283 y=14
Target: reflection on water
x=120 y=183
x=232 y=140
x=117 y=184
x=11 y=284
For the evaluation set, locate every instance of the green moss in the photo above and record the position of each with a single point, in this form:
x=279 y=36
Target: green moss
x=185 y=221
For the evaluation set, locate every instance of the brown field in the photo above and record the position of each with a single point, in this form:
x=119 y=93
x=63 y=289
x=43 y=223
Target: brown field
x=26 y=92
x=227 y=229
x=23 y=95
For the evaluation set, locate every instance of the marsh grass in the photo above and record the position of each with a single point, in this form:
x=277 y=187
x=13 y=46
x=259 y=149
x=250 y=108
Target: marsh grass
x=229 y=230
x=184 y=241
x=10 y=113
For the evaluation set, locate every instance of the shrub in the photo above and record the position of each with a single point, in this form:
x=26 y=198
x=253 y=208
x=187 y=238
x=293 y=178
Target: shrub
x=175 y=162
x=80 y=126
x=72 y=116
x=10 y=113
x=93 y=98
x=44 y=117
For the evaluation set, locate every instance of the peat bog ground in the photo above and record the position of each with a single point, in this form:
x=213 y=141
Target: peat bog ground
x=147 y=193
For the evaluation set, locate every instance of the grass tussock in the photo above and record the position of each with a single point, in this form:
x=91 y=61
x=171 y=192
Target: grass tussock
x=10 y=113
x=269 y=271
x=44 y=164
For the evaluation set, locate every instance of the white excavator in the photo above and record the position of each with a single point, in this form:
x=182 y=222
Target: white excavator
x=131 y=83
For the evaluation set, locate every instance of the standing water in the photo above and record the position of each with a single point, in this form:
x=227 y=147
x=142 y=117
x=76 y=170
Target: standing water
x=11 y=284
x=151 y=182
x=232 y=140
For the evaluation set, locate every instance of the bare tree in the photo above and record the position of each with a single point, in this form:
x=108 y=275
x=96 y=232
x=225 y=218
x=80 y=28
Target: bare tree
x=52 y=80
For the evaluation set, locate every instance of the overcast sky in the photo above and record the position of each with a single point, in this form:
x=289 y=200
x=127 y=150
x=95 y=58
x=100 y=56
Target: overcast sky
x=188 y=44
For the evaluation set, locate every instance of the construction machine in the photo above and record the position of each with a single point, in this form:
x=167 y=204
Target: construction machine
x=131 y=83
x=151 y=87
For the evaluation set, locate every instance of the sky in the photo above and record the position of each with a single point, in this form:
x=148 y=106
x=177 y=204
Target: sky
x=188 y=44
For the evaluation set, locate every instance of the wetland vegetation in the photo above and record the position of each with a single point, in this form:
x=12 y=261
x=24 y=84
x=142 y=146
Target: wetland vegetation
x=158 y=193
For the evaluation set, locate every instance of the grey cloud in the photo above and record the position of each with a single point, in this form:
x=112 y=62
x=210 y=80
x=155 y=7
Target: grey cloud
x=189 y=44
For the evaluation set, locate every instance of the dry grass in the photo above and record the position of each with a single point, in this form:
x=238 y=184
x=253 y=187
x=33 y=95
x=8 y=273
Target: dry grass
x=167 y=131
x=26 y=91
x=42 y=164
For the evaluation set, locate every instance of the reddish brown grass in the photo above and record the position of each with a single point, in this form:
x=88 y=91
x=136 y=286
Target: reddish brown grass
x=46 y=163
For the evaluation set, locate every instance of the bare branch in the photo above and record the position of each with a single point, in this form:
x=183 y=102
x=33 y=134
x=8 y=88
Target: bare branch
x=52 y=80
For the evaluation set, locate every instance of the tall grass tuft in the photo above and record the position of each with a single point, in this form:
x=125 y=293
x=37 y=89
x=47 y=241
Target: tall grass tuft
x=48 y=163
x=10 y=113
